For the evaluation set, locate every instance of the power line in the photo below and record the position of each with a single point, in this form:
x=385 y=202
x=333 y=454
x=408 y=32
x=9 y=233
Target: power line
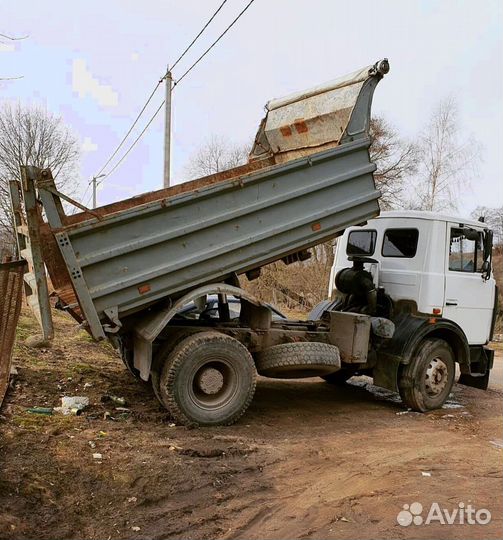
x=198 y=35
x=176 y=82
x=83 y=198
x=214 y=43
x=131 y=128
x=135 y=141
x=156 y=87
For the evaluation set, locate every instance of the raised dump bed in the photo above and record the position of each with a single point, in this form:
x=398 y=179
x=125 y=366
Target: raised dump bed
x=122 y=257
x=124 y=269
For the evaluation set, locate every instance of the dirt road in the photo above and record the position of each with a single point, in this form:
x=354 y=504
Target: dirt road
x=307 y=461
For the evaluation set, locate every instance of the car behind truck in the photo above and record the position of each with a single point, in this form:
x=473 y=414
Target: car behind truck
x=126 y=270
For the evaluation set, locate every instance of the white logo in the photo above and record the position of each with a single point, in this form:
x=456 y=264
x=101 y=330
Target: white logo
x=462 y=515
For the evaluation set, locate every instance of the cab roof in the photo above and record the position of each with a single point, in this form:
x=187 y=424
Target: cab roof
x=431 y=216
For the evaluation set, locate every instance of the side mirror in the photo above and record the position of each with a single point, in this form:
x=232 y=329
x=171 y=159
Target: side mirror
x=488 y=244
x=488 y=254
x=471 y=234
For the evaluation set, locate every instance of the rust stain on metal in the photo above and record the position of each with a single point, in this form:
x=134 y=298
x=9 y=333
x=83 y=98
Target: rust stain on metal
x=301 y=126
x=58 y=272
x=193 y=185
x=11 y=290
x=286 y=131
x=316 y=226
x=142 y=289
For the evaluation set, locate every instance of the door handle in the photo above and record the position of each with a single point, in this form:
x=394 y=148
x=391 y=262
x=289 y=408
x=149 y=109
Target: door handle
x=451 y=303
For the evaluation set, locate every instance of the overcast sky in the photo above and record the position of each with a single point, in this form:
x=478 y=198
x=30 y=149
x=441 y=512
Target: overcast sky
x=95 y=62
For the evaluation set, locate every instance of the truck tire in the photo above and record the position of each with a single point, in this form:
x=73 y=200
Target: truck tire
x=296 y=360
x=208 y=379
x=128 y=360
x=339 y=378
x=426 y=382
x=160 y=357
x=318 y=310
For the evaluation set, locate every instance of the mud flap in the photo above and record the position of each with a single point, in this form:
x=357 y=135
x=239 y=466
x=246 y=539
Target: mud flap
x=482 y=359
x=11 y=287
x=476 y=381
x=385 y=372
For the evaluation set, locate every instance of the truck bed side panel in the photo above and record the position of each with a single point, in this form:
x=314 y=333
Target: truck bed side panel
x=132 y=258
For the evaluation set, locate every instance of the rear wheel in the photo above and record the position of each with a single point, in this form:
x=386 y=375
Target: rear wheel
x=425 y=383
x=208 y=379
x=160 y=358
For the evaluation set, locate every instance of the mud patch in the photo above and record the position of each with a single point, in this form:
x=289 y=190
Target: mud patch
x=308 y=460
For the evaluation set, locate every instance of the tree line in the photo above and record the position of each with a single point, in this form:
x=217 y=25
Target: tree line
x=427 y=173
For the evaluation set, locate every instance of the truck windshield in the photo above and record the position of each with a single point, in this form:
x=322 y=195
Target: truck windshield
x=465 y=251
x=361 y=242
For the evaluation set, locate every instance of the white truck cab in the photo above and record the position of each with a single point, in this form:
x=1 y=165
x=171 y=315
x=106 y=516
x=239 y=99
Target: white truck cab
x=434 y=260
x=425 y=282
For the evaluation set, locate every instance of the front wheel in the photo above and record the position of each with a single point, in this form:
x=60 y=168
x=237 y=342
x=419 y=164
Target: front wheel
x=208 y=379
x=425 y=383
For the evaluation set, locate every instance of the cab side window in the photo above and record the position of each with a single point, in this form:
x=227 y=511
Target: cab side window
x=401 y=243
x=465 y=251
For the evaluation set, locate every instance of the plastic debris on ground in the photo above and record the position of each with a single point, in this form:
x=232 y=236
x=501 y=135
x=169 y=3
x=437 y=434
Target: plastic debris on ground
x=72 y=405
x=114 y=399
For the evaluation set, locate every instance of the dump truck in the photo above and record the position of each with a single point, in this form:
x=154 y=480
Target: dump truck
x=126 y=270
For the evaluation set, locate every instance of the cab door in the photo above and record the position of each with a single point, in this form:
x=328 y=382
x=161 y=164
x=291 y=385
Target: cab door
x=469 y=298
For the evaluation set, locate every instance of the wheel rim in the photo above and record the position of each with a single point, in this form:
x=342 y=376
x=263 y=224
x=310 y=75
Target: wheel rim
x=213 y=384
x=436 y=377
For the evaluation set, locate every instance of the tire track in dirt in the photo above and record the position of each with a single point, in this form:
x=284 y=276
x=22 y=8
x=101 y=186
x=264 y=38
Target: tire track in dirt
x=332 y=486
x=307 y=461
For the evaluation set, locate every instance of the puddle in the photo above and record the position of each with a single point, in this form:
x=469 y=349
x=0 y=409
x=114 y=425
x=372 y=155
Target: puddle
x=377 y=391
x=451 y=403
x=381 y=393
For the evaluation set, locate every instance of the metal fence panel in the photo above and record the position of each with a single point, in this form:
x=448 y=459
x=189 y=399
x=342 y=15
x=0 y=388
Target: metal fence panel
x=11 y=288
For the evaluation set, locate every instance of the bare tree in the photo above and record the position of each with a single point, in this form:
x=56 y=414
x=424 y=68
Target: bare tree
x=31 y=136
x=215 y=155
x=4 y=38
x=447 y=161
x=494 y=218
x=301 y=285
x=395 y=159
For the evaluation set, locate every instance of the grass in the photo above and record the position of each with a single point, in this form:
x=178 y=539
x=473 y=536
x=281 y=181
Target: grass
x=36 y=422
x=26 y=327
x=84 y=369
x=83 y=336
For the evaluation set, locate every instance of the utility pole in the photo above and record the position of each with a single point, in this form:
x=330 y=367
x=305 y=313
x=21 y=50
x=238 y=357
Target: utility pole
x=95 y=186
x=167 y=128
